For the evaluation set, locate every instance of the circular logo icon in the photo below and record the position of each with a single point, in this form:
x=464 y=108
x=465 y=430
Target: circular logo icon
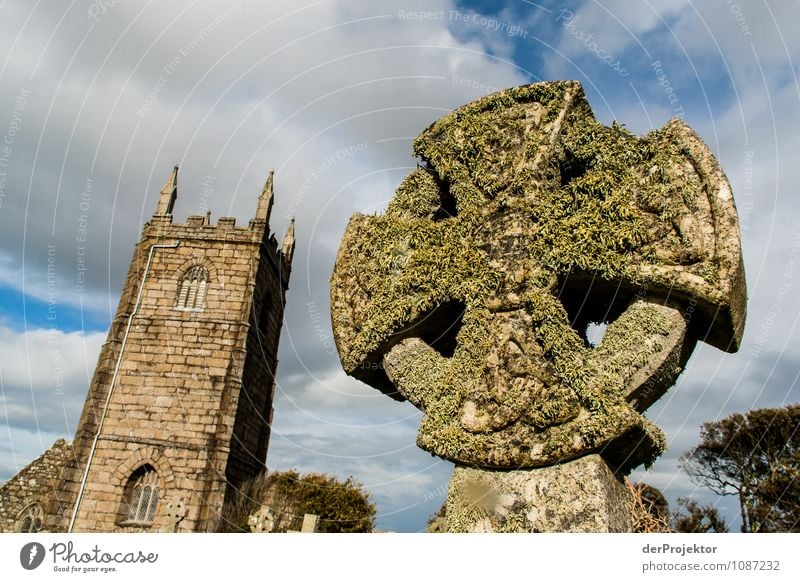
x=31 y=555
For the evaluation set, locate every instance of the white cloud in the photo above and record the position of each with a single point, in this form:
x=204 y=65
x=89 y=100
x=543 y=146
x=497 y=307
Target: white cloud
x=609 y=29
x=227 y=94
x=44 y=376
x=738 y=32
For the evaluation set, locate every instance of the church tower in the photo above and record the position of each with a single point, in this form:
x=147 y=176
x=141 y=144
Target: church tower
x=180 y=404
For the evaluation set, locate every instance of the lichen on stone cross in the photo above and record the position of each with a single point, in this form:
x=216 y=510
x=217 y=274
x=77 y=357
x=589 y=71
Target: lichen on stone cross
x=527 y=222
x=262 y=521
x=175 y=513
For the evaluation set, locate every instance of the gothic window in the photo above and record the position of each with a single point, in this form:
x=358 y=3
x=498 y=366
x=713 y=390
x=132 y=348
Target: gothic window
x=31 y=519
x=192 y=289
x=141 y=497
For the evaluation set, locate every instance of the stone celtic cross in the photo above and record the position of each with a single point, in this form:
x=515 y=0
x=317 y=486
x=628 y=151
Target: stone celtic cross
x=474 y=295
x=262 y=521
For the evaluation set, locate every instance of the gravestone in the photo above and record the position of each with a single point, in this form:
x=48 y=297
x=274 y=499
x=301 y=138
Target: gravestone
x=262 y=521
x=310 y=523
x=479 y=296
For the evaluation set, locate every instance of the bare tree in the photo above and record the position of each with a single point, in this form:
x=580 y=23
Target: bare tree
x=757 y=457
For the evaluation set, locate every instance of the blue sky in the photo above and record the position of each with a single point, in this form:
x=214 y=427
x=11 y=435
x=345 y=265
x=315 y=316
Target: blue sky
x=20 y=311
x=99 y=100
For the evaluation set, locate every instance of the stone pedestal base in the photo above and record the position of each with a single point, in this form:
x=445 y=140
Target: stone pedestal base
x=577 y=496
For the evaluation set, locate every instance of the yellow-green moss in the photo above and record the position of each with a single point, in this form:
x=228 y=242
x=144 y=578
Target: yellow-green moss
x=590 y=206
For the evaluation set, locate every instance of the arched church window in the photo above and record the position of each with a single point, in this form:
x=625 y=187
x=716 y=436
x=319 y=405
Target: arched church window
x=192 y=289
x=31 y=519
x=142 y=495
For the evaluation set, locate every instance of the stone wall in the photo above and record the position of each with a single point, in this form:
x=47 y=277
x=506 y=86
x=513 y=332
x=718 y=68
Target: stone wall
x=254 y=413
x=33 y=485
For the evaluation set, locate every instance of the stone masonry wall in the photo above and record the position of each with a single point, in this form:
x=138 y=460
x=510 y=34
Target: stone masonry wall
x=32 y=485
x=254 y=414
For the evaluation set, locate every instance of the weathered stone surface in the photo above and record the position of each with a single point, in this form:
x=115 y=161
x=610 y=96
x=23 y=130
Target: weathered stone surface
x=579 y=496
x=262 y=521
x=310 y=523
x=175 y=512
x=34 y=485
x=472 y=294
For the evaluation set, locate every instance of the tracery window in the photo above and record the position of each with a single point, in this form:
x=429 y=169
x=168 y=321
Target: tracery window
x=31 y=519
x=192 y=289
x=142 y=496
